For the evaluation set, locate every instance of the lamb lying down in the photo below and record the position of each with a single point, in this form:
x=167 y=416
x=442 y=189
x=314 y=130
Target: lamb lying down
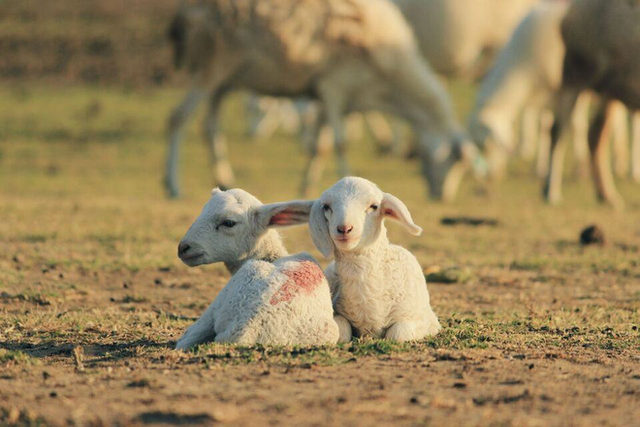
x=272 y=298
x=379 y=289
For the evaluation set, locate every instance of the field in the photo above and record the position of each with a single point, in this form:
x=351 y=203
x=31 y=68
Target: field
x=93 y=296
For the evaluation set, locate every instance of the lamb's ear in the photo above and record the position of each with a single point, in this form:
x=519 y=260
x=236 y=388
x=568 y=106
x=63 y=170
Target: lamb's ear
x=393 y=208
x=284 y=214
x=215 y=191
x=319 y=229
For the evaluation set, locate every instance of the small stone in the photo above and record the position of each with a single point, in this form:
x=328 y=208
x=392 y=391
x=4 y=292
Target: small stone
x=448 y=275
x=592 y=235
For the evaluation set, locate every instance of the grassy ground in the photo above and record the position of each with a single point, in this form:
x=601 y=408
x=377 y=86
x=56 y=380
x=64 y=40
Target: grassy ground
x=92 y=295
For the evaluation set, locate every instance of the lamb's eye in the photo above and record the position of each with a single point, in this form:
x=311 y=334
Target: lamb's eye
x=326 y=207
x=227 y=223
x=373 y=207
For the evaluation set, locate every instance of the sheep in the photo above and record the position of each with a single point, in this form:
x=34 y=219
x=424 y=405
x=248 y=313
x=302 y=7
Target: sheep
x=378 y=289
x=602 y=54
x=351 y=55
x=272 y=298
x=461 y=37
x=526 y=76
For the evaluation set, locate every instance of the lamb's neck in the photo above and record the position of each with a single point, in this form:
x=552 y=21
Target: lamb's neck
x=269 y=249
x=371 y=254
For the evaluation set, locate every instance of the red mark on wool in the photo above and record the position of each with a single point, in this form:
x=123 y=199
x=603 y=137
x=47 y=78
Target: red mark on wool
x=303 y=278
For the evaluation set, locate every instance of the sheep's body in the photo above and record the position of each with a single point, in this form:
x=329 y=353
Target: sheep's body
x=352 y=55
x=602 y=40
x=286 y=302
x=272 y=298
x=455 y=34
x=378 y=289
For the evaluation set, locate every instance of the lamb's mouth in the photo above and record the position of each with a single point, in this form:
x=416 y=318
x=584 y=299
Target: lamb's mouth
x=342 y=240
x=192 y=259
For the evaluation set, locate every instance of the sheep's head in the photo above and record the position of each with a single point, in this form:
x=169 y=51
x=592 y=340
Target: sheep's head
x=444 y=163
x=348 y=217
x=233 y=223
x=490 y=131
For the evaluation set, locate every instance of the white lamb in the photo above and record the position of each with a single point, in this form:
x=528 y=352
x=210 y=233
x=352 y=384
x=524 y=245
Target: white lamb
x=272 y=298
x=378 y=289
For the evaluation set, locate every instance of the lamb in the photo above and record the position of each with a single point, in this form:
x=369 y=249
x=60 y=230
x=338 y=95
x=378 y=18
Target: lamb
x=378 y=289
x=351 y=55
x=602 y=54
x=272 y=298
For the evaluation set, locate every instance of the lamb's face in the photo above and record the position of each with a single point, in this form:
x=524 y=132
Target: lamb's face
x=225 y=231
x=352 y=212
x=348 y=217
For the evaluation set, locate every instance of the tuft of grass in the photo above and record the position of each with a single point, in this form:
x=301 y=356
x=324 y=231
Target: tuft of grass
x=16 y=357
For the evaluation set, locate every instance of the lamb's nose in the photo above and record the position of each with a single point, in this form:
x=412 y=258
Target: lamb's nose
x=183 y=248
x=345 y=229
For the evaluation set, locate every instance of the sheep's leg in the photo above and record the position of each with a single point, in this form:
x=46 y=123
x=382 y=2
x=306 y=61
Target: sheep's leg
x=177 y=120
x=620 y=139
x=333 y=100
x=384 y=133
x=344 y=328
x=218 y=144
x=580 y=133
x=635 y=148
x=340 y=144
x=599 y=140
x=553 y=185
x=544 y=143
x=318 y=143
x=529 y=127
x=200 y=332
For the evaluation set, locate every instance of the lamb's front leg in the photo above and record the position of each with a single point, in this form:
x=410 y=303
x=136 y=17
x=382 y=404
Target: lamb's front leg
x=200 y=332
x=411 y=331
x=344 y=327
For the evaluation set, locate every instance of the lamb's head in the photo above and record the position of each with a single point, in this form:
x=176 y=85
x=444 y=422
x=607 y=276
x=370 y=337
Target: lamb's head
x=233 y=224
x=348 y=217
x=445 y=161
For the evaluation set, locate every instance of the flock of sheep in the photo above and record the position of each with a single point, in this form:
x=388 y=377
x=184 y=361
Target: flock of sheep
x=382 y=55
x=549 y=57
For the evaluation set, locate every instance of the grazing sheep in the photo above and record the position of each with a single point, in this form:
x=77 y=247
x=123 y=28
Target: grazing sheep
x=351 y=55
x=526 y=78
x=460 y=37
x=272 y=298
x=526 y=75
x=378 y=288
x=602 y=39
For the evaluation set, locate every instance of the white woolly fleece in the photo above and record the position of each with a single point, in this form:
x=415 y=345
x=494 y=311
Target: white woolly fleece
x=272 y=298
x=378 y=289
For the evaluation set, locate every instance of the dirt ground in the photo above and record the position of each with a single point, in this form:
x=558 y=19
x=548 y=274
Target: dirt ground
x=93 y=297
